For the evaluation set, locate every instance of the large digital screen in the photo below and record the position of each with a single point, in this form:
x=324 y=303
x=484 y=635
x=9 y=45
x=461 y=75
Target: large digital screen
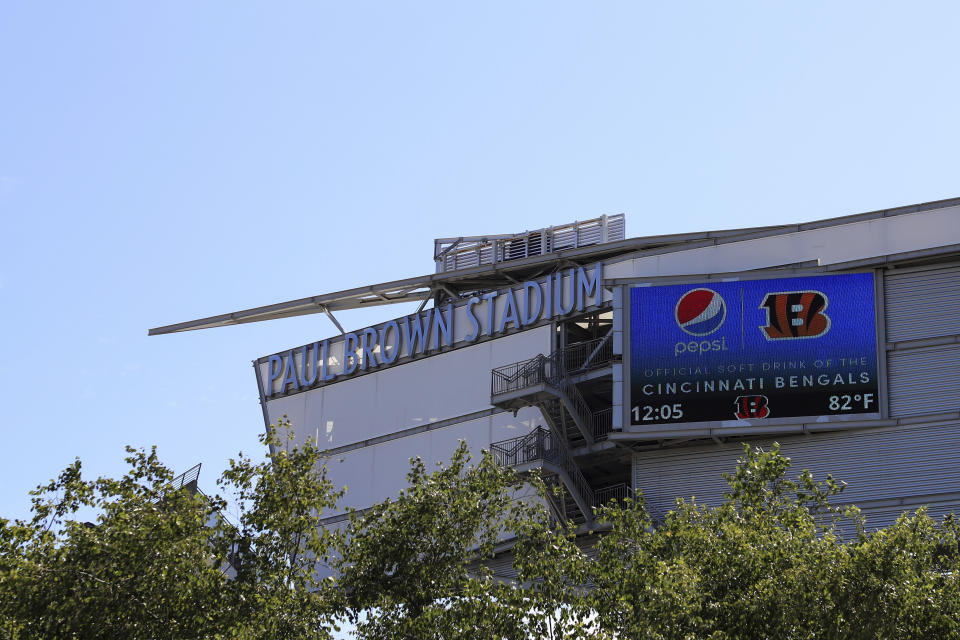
x=753 y=349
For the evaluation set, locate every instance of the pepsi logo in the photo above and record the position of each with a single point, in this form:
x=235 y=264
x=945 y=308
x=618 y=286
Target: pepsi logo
x=700 y=312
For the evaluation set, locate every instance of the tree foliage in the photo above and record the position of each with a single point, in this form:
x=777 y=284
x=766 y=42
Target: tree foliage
x=421 y=565
x=775 y=560
x=770 y=563
x=160 y=562
x=467 y=550
x=139 y=571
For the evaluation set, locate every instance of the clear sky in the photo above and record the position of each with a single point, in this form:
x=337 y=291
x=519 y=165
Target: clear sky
x=161 y=162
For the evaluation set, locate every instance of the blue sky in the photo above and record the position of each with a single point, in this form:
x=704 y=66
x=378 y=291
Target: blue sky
x=168 y=161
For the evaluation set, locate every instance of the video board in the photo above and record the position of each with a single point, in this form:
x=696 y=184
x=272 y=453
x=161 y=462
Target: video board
x=751 y=350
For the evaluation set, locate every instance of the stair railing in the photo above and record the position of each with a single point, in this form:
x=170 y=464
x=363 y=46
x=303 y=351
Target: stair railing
x=552 y=369
x=585 y=356
x=618 y=491
x=519 y=375
x=601 y=423
x=580 y=406
x=542 y=444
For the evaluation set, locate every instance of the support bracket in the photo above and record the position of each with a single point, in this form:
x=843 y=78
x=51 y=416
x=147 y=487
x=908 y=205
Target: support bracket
x=330 y=315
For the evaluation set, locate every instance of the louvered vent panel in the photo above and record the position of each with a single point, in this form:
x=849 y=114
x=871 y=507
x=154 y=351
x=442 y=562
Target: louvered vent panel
x=591 y=234
x=472 y=251
x=922 y=304
x=566 y=239
x=923 y=381
x=617 y=228
x=876 y=464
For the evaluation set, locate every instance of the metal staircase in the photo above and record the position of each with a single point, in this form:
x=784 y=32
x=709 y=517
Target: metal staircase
x=550 y=383
x=542 y=449
x=547 y=382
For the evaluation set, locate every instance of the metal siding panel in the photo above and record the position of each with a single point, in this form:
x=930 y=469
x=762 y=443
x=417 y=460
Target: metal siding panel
x=875 y=464
x=665 y=475
x=923 y=381
x=922 y=304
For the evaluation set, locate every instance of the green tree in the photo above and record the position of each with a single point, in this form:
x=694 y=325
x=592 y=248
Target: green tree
x=901 y=582
x=159 y=562
x=419 y=565
x=278 y=548
x=769 y=563
x=140 y=570
x=465 y=551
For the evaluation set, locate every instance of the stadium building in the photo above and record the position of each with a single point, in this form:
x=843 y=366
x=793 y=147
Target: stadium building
x=640 y=364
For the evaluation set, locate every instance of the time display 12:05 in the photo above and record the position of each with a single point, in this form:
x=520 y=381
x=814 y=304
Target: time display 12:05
x=653 y=413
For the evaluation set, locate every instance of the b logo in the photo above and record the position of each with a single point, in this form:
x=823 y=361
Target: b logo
x=795 y=314
x=751 y=407
x=700 y=311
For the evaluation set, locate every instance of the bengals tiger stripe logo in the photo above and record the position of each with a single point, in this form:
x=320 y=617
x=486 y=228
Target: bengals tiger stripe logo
x=795 y=314
x=748 y=407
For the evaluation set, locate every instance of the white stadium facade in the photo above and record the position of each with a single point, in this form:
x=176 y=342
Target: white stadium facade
x=642 y=364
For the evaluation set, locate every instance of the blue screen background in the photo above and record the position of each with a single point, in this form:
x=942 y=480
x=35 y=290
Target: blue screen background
x=654 y=335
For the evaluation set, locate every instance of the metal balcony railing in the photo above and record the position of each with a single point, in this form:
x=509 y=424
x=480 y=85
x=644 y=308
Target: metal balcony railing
x=537 y=445
x=585 y=356
x=619 y=491
x=522 y=375
x=577 y=358
x=554 y=371
x=601 y=423
x=187 y=479
x=542 y=445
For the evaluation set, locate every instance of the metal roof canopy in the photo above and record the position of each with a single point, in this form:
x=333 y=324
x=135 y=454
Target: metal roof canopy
x=502 y=274
x=423 y=287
